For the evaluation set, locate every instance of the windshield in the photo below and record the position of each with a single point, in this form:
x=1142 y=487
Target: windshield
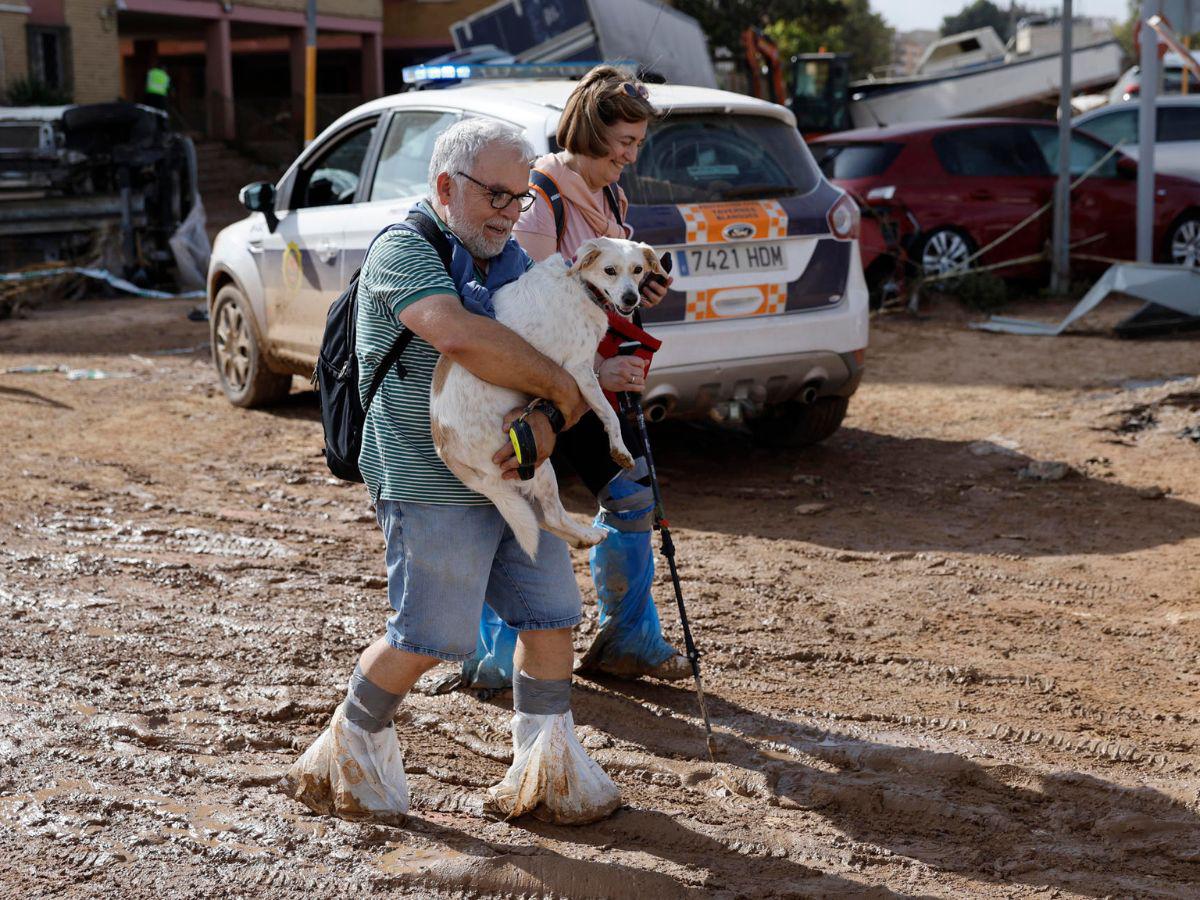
x=709 y=157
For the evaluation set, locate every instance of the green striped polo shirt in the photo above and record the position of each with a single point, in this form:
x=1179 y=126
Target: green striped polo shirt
x=398 y=461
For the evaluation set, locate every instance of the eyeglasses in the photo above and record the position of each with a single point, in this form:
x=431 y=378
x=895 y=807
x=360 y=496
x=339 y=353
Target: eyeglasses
x=635 y=90
x=501 y=199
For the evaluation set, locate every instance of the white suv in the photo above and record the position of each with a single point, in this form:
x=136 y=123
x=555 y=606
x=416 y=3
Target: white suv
x=766 y=321
x=1177 y=129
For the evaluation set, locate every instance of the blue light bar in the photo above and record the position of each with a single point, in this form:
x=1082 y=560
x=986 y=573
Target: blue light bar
x=450 y=72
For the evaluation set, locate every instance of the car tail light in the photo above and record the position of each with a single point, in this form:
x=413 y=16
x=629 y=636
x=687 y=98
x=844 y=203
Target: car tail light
x=843 y=219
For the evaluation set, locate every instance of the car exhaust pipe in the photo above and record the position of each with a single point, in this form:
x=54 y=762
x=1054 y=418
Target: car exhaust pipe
x=656 y=410
x=808 y=393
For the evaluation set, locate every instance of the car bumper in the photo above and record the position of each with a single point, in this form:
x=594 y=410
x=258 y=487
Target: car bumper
x=769 y=359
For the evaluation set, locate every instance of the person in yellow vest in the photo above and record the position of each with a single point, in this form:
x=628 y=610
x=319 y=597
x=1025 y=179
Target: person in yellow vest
x=158 y=85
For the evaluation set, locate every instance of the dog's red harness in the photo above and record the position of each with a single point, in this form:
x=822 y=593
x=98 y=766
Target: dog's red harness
x=621 y=330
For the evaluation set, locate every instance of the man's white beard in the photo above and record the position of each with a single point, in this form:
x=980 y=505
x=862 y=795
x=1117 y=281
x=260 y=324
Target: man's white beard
x=480 y=243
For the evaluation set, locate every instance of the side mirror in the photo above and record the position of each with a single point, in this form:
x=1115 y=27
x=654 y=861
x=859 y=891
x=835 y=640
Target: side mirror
x=260 y=197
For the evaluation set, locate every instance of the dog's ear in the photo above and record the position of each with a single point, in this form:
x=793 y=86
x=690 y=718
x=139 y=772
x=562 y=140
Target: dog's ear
x=588 y=253
x=655 y=265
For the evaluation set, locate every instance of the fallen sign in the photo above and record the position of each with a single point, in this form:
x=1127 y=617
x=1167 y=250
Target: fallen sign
x=1163 y=288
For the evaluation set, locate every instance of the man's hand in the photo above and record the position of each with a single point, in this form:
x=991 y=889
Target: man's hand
x=571 y=404
x=543 y=435
x=623 y=373
x=653 y=291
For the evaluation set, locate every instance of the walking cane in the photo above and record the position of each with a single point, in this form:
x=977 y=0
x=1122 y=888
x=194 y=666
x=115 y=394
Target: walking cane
x=631 y=407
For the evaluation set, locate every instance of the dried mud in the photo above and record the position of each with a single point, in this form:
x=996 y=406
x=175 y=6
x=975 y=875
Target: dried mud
x=928 y=675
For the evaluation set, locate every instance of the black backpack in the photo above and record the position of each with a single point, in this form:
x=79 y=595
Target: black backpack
x=336 y=372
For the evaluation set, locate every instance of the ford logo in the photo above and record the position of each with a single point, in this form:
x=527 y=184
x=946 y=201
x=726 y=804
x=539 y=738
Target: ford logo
x=738 y=231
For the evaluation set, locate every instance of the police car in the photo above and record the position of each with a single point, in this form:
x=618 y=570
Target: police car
x=766 y=322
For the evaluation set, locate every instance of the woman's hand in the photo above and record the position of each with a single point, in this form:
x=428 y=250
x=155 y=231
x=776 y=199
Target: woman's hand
x=653 y=291
x=623 y=373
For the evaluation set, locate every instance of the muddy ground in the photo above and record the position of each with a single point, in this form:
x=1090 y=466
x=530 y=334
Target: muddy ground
x=931 y=675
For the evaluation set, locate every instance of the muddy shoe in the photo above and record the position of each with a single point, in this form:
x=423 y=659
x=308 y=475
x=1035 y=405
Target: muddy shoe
x=352 y=774
x=673 y=668
x=551 y=776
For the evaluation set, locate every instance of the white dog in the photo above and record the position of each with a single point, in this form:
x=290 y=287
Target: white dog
x=560 y=311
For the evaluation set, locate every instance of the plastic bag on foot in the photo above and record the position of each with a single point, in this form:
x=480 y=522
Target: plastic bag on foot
x=552 y=776
x=351 y=773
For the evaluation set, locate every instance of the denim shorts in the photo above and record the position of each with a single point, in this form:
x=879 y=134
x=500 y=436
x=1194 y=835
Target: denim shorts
x=442 y=561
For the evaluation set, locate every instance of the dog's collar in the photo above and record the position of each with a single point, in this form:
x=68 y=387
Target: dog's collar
x=594 y=294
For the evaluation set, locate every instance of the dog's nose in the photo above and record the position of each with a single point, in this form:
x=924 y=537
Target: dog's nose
x=629 y=298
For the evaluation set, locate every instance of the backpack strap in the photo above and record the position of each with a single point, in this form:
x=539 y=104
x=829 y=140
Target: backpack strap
x=548 y=188
x=421 y=223
x=391 y=358
x=610 y=194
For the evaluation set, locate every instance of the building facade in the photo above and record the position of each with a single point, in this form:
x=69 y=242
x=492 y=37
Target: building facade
x=69 y=46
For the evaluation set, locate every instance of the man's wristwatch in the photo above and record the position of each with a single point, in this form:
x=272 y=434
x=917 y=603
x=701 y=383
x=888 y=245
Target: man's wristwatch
x=556 y=419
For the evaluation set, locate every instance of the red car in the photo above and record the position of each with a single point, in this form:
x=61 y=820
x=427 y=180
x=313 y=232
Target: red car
x=969 y=181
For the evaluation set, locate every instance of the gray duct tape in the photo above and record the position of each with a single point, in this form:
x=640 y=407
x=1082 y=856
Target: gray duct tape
x=368 y=705
x=541 y=696
x=618 y=512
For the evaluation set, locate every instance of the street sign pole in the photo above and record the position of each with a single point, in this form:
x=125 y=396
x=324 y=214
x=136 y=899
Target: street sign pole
x=1060 y=281
x=1147 y=132
x=310 y=74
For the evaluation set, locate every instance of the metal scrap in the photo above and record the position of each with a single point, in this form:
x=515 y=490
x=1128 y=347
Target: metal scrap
x=1173 y=287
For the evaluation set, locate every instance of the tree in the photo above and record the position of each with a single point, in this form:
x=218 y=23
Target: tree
x=984 y=13
x=857 y=30
x=725 y=20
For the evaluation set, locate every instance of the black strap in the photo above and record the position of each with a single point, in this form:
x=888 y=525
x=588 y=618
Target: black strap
x=425 y=226
x=391 y=358
x=432 y=232
x=610 y=194
x=549 y=187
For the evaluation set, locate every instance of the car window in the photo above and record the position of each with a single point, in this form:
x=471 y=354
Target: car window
x=708 y=157
x=1179 y=123
x=1119 y=126
x=331 y=177
x=1085 y=152
x=403 y=169
x=1002 y=150
x=855 y=160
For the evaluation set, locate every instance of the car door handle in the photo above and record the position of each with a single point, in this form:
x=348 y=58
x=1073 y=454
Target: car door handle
x=327 y=252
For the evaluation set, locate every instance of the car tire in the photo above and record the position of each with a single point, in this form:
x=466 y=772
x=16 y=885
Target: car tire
x=942 y=249
x=1183 y=241
x=800 y=424
x=237 y=356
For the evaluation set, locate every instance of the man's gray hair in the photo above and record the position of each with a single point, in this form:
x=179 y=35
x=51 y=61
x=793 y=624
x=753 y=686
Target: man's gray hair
x=459 y=146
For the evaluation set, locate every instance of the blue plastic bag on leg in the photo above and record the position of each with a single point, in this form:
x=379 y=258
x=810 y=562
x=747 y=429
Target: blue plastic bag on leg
x=629 y=640
x=492 y=665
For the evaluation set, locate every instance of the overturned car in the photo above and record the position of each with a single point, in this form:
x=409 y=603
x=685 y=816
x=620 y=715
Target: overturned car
x=109 y=185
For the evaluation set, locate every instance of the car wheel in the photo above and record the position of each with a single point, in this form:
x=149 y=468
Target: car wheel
x=1183 y=242
x=800 y=424
x=244 y=375
x=944 y=250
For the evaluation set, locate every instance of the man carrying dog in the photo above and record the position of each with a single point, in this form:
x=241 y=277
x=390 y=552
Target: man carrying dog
x=446 y=546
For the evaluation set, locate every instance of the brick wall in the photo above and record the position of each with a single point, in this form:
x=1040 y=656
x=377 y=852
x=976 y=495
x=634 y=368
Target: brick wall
x=413 y=19
x=95 y=52
x=15 y=62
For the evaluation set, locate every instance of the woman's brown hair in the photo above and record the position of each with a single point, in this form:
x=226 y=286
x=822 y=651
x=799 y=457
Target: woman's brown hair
x=605 y=95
